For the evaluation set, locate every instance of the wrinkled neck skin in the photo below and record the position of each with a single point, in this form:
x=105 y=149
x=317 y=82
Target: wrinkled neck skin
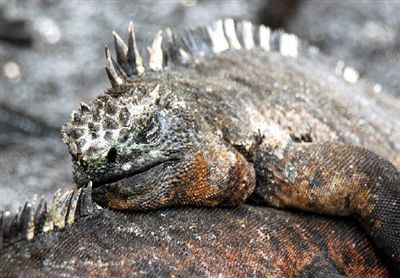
x=217 y=177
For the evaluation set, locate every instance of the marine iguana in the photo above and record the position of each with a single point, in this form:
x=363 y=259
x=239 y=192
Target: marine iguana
x=221 y=115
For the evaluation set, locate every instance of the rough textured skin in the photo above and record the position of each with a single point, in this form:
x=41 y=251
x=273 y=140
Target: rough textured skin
x=224 y=127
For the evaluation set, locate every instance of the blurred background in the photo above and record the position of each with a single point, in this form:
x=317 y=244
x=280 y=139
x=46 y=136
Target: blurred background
x=52 y=58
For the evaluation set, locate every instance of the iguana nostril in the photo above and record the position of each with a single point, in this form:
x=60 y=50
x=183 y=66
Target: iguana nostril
x=112 y=155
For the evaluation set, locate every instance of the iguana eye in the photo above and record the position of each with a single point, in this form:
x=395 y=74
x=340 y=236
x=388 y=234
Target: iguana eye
x=150 y=132
x=112 y=155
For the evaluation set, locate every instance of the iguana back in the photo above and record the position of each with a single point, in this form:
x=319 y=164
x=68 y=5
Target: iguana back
x=235 y=242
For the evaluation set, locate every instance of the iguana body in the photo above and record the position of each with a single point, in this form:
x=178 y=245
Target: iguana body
x=224 y=118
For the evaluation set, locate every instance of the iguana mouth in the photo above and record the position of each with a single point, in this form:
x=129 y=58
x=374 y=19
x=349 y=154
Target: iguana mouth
x=140 y=171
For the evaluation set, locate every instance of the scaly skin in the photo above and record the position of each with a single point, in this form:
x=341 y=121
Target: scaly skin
x=244 y=241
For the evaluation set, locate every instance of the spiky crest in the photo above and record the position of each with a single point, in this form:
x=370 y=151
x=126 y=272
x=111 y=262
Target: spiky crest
x=64 y=210
x=169 y=48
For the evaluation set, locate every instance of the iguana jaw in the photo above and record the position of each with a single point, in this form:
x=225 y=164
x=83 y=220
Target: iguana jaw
x=138 y=191
x=143 y=169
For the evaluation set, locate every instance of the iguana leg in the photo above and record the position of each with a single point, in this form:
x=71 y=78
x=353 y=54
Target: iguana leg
x=336 y=179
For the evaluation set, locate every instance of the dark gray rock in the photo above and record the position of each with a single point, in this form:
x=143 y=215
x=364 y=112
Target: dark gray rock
x=364 y=34
x=31 y=165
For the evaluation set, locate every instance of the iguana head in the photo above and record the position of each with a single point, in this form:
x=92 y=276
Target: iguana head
x=126 y=141
x=139 y=149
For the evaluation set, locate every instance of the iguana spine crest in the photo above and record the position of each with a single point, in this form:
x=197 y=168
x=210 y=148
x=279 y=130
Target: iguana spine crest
x=64 y=210
x=170 y=48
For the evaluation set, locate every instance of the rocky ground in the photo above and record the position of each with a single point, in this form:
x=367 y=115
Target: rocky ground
x=52 y=58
